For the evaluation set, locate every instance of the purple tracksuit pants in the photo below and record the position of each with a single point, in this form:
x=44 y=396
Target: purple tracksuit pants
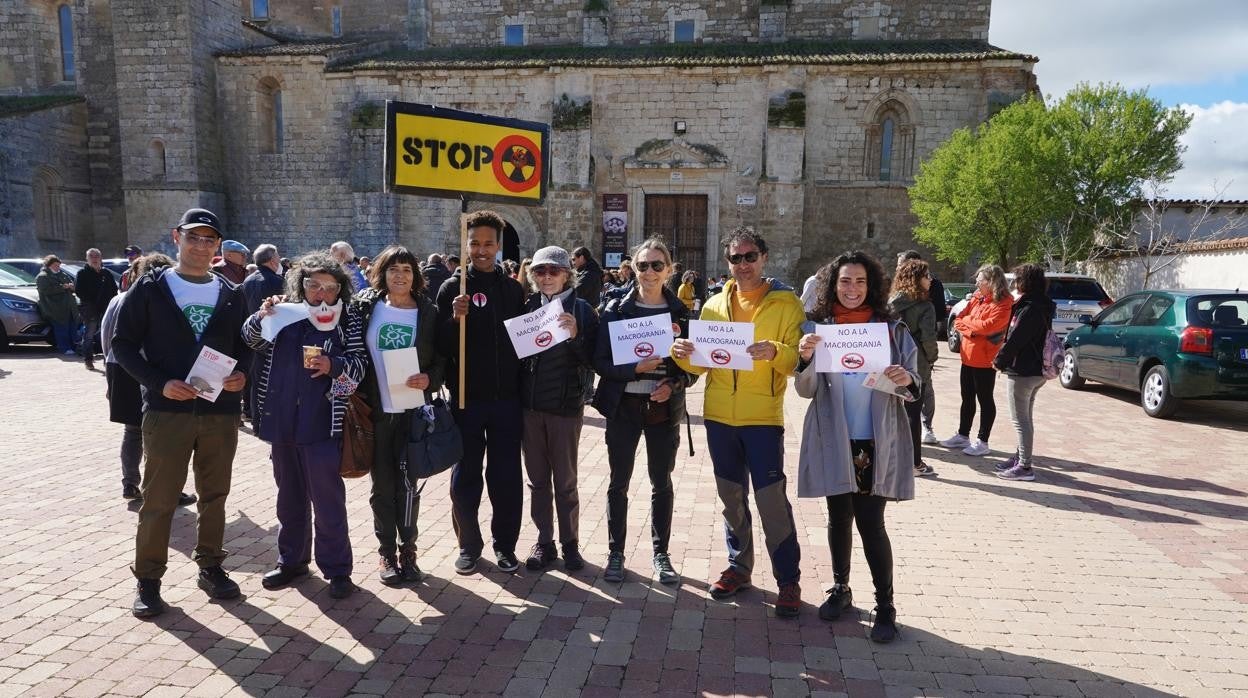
x=308 y=482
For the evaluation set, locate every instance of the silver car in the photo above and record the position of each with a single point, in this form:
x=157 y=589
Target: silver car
x=20 y=321
x=1074 y=295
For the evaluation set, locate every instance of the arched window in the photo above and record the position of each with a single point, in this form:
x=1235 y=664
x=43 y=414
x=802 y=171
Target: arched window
x=269 y=116
x=156 y=159
x=49 y=204
x=259 y=9
x=889 y=152
x=65 y=17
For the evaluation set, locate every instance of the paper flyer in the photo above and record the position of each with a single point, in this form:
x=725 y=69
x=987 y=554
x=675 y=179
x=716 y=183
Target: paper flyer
x=879 y=381
x=721 y=344
x=537 y=331
x=399 y=364
x=853 y=348
x=209 y=372
x=638 y=339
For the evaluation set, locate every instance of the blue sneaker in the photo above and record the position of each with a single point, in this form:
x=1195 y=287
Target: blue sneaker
x=1018 y=472
x=1006 y=464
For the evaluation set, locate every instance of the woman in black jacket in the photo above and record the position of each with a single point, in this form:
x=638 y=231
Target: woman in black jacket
x=1021 y=359
x=646 y=397
x=395 y=314
x=554 y=386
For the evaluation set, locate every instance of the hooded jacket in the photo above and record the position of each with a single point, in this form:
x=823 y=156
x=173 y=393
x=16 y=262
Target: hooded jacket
x=1022 y=352
x=750 y=398
x=982 y=321
x=493 y=371
x=919 y=318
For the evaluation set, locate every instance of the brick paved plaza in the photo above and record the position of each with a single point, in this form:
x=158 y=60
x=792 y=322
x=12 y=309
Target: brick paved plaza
x=1123 y=570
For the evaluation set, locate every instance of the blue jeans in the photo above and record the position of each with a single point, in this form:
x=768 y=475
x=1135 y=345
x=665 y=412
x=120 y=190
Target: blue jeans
x=63 y=336
x=742 y=455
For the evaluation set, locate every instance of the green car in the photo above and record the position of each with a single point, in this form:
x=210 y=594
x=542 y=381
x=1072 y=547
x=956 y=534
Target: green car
x=1168 y=345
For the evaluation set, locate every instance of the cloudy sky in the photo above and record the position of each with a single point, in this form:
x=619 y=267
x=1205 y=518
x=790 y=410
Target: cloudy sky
x=1191 y=53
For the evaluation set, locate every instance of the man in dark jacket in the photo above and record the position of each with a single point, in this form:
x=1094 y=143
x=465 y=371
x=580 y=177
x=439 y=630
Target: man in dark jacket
x=95 y=287
x=436 y=274
x=168 y=317
x=233 y=264
x=588 y=276
x=492 y=396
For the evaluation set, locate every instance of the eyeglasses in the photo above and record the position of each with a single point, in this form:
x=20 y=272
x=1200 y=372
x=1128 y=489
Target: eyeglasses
x=545 y=271
x=330 y=287
x=201 y=240
x=657 y=265
x=748 y=257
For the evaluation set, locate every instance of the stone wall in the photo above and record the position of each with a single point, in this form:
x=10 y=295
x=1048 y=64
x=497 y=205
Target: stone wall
x=49 y=147
x=30 y=45
x=98 y=83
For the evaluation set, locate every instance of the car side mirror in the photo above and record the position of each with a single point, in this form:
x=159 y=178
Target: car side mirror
x=1086 y=320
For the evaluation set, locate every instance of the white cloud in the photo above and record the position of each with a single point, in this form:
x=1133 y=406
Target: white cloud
x=1217 y=152
x=1137 y=43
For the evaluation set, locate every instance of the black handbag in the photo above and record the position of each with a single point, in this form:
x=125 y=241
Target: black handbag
x=433 y=441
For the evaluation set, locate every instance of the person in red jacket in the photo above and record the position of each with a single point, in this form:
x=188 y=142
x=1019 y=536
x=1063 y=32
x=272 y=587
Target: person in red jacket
x=982 y=326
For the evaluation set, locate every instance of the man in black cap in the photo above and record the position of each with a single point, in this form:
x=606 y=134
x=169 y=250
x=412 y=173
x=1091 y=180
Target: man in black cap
x=131 y=253
x=168 y=316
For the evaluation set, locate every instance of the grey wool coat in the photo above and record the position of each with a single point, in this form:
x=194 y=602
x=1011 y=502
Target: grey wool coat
x=825 y=465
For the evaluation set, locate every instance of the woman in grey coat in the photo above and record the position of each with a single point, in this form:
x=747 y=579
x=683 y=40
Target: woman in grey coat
x=856 y=448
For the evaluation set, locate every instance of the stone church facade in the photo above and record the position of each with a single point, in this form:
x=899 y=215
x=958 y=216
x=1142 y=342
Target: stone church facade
x=806 y=119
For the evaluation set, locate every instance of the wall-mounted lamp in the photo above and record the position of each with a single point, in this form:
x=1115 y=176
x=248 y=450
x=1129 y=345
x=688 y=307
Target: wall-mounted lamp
x=680 y=127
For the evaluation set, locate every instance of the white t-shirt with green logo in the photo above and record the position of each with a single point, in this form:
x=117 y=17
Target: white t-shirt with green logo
x=389 y=328
x=197 y=300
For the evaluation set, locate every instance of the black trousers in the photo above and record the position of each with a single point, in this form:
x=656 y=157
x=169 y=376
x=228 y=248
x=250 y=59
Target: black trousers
x=977 y=385
x=392 y=492
x=868 y=510
x=624 y=430
x=491 y=430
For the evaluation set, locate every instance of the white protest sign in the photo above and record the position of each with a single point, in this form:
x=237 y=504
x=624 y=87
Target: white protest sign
x=854 y=348
x=721 y=344
x=640 y=338
x=537 y=331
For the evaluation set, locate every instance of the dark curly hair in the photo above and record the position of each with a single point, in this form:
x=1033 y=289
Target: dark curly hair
x=909 y=277
x=825 y=285
x=392 y=255
x=488 y=219
x=745 y=234
x=310 y=264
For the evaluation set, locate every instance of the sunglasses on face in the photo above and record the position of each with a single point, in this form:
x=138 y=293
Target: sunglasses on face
x=748 y=257
x=657 y=265
x=545 y=271
x=314 y=286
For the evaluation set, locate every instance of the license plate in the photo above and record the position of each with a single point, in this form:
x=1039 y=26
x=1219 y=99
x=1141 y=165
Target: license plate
x=1067 y=315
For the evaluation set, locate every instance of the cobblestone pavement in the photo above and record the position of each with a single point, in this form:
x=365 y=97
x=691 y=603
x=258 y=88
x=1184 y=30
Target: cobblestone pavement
x=1123 y=570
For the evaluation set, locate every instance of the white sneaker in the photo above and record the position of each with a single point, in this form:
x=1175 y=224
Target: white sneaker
x=956 y=441
x=929 y=436
x=979 y=448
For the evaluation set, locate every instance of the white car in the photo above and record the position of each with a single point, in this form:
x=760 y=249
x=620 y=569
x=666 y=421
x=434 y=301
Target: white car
x=1074 y=294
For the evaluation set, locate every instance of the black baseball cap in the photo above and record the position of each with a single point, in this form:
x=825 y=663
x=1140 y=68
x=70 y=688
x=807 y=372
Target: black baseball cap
x=132 y=250
x=200 y=218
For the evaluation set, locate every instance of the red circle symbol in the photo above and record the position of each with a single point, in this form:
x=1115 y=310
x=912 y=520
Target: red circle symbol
x=480 y=299
x=543 y=339
x=721 y=357
x=517 y=163
x=644 y=349
x=853 y=361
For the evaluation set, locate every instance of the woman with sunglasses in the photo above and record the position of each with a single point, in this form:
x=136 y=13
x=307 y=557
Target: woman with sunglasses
x=307 y=374
x=646 y=397
x=395 y=313
x=555 y=384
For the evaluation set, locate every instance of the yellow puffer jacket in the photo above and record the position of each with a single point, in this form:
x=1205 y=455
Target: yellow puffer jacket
x=751 y=398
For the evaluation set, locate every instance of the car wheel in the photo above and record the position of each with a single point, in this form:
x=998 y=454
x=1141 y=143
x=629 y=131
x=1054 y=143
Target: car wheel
x=1155 y=395
x=955 y=340
x=1069 y=376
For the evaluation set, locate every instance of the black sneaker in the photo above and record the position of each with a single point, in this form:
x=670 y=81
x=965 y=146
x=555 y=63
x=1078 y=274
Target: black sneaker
x=147 y=602
x=507 y=562
x=185 y=500
x=572 y=560
x=667 y=573
x=542 y=555
x=840 y=597
x=282 y=575
x=885 y=629
x=340 y=587
x=388 y=571
x=614 y=571
x=217 y=583
x=131 y=492
x=408 y=567
x=466 y=563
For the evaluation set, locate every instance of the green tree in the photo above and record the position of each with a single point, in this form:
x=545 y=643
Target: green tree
x=1045 y=182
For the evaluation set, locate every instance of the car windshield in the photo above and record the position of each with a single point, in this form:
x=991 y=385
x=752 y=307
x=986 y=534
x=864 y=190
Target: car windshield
x=11 y=276
x=1076 y=290
x=1222 y=311
x=958 y=291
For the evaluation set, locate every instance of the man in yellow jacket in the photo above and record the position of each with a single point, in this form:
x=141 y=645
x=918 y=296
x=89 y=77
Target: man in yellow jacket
x=744 y=415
